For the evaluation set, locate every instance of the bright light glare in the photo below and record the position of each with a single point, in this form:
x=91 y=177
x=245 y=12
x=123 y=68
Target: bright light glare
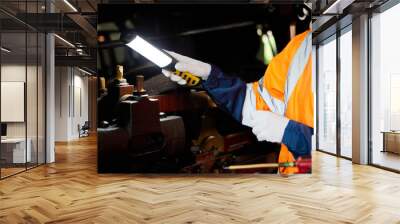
x=70 y=5
x=64 y=40
x=5 y=50
x=84 y=71
x=150 y=52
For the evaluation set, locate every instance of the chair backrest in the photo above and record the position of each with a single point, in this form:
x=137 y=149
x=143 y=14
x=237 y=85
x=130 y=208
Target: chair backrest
x=86 y=125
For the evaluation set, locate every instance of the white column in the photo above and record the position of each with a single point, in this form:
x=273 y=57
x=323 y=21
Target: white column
x=360 y=90
x=50 y=92
x=50 y=103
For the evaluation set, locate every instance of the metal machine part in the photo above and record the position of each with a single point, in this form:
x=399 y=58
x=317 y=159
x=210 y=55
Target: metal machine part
x=139 y=90
x=173 y=130
x=181 y=131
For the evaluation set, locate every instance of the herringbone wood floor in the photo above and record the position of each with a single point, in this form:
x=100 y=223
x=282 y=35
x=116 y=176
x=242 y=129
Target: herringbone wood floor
x=70 y=191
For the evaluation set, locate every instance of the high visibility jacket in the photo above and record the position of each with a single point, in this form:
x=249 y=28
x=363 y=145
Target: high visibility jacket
x=285 y=89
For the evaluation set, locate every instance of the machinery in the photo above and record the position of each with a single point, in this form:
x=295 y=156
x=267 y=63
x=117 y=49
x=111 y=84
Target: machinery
x=179 y=131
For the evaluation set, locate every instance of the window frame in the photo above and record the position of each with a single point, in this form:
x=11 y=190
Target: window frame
x=334 y=37
x=381 y=9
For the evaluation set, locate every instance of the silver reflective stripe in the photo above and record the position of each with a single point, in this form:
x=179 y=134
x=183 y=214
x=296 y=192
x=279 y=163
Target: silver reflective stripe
x=261 y=82
x=275 y=105
x=297 y=66
x=279 y=106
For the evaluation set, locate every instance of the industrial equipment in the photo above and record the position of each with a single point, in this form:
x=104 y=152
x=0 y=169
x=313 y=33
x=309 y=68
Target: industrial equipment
x=181 y=131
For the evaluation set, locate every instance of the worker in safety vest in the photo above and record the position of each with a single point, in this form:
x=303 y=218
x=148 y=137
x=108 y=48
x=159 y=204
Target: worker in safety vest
x=279 y=107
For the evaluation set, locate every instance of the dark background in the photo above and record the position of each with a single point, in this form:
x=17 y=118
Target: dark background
x=234 y=50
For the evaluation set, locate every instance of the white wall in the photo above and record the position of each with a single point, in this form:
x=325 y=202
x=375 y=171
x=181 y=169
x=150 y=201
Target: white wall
x=33 y=127
x=16 y=72
x=61 y=103
x=80 y=110
x=71 y=94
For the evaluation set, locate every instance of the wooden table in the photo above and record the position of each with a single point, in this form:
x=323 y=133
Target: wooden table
x=391 y=141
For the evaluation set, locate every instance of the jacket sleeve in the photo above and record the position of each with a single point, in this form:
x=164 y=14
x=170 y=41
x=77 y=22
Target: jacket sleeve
x=227 y=92
x=297 y=137
x=237 y=98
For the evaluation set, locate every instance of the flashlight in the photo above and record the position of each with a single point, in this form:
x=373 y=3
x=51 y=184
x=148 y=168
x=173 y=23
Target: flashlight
x=161 y=59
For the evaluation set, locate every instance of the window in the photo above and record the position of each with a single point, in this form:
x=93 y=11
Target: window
x=22 y=77
x=327 y=96
x=346 y=93
x=394 y=102
x=385 y=88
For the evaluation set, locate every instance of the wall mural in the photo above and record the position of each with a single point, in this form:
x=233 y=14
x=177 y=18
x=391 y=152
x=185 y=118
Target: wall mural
x=205 y=88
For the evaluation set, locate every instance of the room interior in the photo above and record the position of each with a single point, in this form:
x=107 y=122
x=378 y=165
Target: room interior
x=22 y=105
x=53 y=74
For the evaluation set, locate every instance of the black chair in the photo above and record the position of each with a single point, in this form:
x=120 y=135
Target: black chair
x=84 y=130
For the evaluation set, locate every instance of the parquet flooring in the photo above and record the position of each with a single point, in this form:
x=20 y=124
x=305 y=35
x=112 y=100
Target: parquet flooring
x=10 y=171
x=71 y=191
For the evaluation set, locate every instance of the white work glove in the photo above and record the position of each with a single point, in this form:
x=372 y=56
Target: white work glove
x=268 y=126
x=186 y=64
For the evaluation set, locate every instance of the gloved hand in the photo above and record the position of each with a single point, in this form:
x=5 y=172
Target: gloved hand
x=268 y=126
x=186 y=64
